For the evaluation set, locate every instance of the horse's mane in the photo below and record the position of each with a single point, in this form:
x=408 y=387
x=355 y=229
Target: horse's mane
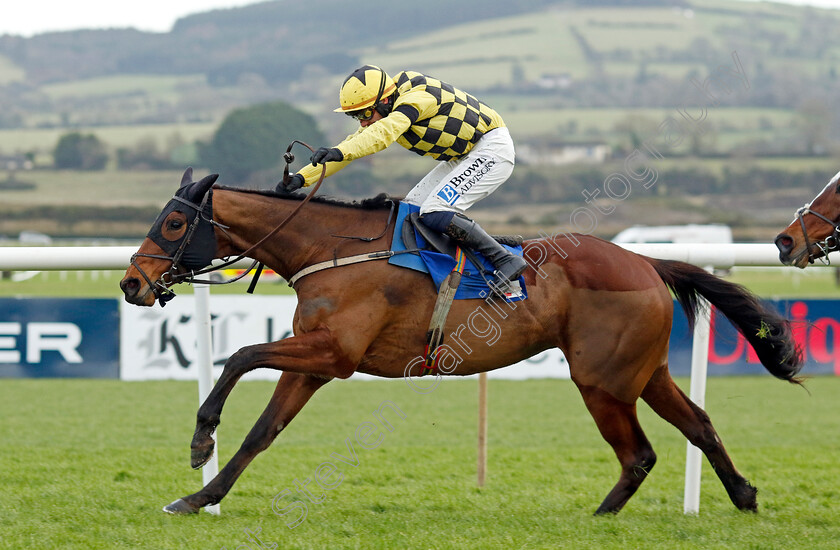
x=381 y=201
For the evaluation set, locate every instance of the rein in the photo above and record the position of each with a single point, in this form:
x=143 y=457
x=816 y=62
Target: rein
x=829 y=244
x=177 y=273
x=289 y=158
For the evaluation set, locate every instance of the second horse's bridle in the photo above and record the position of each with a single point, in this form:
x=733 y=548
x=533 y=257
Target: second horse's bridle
x=829 y=244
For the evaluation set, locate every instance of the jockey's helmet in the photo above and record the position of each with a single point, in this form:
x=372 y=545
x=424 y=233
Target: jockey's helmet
x=364 y=89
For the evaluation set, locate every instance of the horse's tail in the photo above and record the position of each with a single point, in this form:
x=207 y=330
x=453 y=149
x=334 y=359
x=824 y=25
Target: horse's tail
x=768 y=332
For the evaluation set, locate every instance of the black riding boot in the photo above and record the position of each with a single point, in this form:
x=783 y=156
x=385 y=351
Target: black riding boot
x=508 y=266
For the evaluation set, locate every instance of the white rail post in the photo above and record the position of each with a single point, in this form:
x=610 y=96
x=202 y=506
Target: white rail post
x=204 y=343
x=697 y=393
x=482 y=428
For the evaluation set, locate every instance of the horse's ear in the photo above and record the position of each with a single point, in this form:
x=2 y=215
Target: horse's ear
x=187 y=177
x=208 y=180
x=202 y=186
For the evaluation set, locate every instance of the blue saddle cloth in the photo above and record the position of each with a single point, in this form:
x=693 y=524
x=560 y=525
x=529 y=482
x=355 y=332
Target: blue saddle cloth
x=438 y=265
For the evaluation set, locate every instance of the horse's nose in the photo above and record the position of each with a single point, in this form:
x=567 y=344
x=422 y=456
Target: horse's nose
x=784 y=243
x=130 y=286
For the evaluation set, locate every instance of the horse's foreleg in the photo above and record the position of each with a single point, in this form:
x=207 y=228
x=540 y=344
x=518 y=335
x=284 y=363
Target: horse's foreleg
x=314 y=353
x=291 y=394
x=620 y=427
x=669 y=402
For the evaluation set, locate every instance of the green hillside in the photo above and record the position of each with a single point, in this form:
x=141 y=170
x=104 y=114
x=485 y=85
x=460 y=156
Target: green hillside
x=591 y=74
x=613 y=56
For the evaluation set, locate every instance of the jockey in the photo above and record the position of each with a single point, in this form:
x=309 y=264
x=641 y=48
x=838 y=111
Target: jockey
x=431 y=118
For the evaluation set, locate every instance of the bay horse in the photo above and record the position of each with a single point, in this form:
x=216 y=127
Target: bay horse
x=815 y=229
x=609 y=310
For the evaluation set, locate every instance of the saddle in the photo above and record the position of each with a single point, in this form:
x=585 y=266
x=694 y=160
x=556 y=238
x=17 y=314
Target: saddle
x=443 y=244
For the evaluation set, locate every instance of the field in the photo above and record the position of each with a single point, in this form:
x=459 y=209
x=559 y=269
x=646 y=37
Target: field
x=9 y=72
x=95 y=189
x=45 y=140
x=90 y=463
x=553 y=38
x=582 y=42
x=788 y=282
x=162 y=87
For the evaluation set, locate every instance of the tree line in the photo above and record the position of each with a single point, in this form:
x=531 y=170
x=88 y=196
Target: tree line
x=248 y=142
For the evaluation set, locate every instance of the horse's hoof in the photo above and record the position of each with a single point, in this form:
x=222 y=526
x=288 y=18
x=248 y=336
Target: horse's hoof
x=749 y=506
x=180 y=508
x=199 y=455
x=745 y=499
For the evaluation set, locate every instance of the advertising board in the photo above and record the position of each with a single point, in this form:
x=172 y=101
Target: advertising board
x=107 y=338
x=816 y=329
x=59 y=338
x=160 y=343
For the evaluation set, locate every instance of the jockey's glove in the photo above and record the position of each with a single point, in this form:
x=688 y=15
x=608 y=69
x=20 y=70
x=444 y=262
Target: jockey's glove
x=295 y=182
x=324 y=155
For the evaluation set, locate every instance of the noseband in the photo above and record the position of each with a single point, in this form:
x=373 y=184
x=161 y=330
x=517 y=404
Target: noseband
x=829 y=244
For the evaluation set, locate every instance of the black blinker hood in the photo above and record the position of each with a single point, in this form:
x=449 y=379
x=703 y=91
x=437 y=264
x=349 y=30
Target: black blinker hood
x=200 y=250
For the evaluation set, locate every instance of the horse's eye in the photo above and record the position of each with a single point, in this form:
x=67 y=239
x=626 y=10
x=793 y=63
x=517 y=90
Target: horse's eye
x=174 y=225
x=837 y=189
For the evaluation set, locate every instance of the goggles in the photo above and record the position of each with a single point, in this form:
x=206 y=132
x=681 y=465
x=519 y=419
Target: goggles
x=364 y=114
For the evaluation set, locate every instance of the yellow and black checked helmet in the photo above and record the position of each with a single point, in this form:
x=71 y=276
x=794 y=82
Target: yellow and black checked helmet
x=364 y=89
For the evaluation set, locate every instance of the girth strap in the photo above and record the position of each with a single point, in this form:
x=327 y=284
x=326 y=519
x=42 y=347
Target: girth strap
x=338 y=262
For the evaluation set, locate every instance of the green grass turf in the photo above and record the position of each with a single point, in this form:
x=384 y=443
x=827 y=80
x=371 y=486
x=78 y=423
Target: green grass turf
x=788 y=282
x=88 y=464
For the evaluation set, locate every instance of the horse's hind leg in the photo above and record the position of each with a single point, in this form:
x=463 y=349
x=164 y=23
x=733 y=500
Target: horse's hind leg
x=669 y=402
x=620 y=427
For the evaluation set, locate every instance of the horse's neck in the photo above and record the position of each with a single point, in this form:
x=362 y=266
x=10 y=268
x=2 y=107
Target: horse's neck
x=308 y=238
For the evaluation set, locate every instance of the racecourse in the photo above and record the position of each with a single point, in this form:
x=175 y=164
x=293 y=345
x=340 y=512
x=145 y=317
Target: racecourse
x=88 y=464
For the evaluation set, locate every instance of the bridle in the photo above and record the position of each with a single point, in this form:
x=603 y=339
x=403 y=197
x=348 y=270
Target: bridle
x=180 y=272
x=829 y=244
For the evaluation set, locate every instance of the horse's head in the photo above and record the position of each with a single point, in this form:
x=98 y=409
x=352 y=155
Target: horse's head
x=181 y=241
x=814 y=232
